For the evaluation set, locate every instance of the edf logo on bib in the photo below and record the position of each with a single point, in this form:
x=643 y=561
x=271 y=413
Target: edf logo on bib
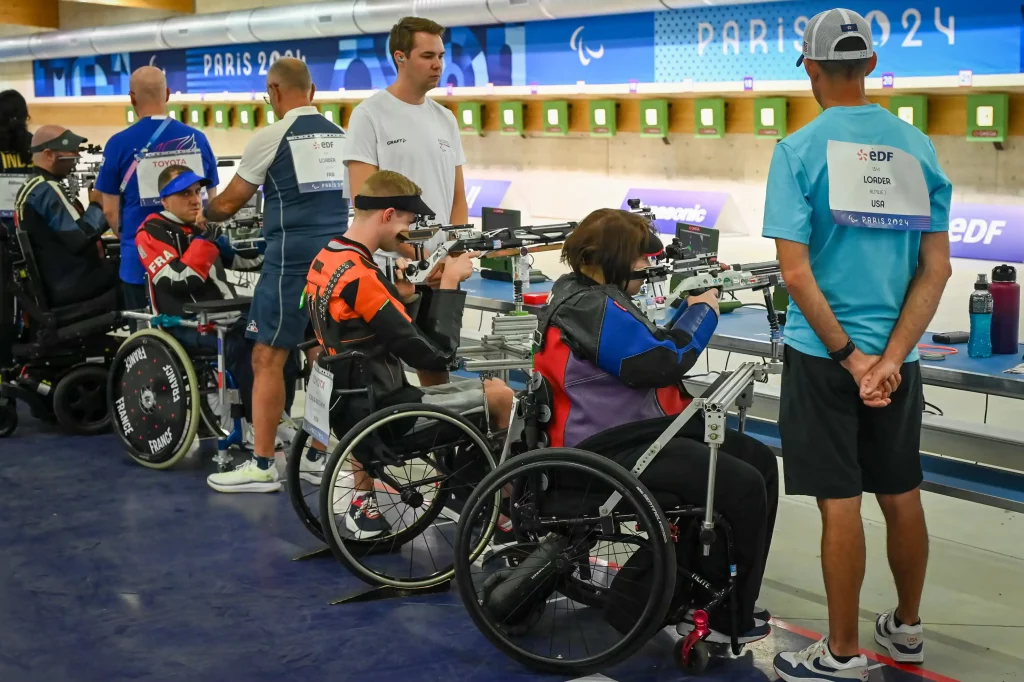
x=874 y=156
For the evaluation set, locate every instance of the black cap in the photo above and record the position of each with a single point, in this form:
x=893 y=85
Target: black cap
x=411 y=203
x=1004 y=273
x=65 y=142
x=981 y=284
x=653 y=246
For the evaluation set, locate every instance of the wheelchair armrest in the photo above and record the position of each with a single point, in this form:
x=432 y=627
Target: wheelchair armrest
x=229 y=305
x=349 y=355
x=307 y=345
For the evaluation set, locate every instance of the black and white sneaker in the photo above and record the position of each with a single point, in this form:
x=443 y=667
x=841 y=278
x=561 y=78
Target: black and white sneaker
x=364 y=520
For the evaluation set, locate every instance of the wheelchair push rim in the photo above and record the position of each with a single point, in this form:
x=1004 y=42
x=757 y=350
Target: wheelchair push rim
x=154 y=399
x=560 y=654
x=355 y=554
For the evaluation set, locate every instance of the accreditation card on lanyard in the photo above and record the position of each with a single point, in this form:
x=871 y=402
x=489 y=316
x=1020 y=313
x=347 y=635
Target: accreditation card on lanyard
x=10 y=185
x=317 y=416
x=317 y=159
x=153 y=164
x=877 y=186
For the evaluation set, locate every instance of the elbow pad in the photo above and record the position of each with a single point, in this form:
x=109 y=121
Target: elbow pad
x=699 y=322
x=442 y=319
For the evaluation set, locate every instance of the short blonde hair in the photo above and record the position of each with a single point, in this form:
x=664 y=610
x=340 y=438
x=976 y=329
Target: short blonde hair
x=387 y=183
x=403 y=34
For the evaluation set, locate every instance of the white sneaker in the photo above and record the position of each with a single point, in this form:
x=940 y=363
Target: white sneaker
x=816 y=664
x=246 y=478
x=312 y=470
x=905 y=643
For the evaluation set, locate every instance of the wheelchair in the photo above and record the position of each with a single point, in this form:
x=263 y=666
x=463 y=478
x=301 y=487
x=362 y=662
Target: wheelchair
x=160 y=395
x=53 y=359
x=596 y=553
x=421 y=460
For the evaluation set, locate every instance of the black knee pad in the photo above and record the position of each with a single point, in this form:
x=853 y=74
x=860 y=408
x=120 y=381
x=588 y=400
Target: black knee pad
x=512 y=595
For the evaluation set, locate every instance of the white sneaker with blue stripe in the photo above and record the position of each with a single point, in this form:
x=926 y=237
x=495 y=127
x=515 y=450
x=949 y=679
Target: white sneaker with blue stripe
x=904 y=643
x=816 y=664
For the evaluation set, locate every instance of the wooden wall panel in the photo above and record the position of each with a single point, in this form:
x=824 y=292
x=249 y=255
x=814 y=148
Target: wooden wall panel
x=947 y=114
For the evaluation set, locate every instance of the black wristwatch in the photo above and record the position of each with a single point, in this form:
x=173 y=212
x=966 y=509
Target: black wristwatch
x=844 y=352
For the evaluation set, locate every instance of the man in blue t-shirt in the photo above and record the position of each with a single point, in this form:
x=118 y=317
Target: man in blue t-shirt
x=859 y=210
x=133 y=160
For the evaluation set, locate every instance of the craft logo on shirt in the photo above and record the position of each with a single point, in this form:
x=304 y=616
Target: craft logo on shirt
x=391 y=142
x=445 y=144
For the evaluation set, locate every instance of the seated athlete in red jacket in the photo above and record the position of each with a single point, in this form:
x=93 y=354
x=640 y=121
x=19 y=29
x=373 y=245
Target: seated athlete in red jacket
x=184 y=263
x=616 y=381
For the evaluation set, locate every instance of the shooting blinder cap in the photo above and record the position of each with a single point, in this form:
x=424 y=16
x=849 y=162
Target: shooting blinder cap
x=65 y=142
x=410 y=203
x=653 y=247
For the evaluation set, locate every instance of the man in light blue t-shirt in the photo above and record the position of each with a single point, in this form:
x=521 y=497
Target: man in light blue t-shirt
x=859 y=209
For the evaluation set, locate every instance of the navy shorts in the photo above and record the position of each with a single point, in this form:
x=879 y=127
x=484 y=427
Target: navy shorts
x=275 y=318
x=833 y=445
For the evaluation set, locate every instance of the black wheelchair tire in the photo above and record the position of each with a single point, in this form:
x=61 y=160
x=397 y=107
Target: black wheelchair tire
x=663 y=581
x=348 y=552
x=296 y=451
x=8 y=417
x=178 y=356
x=65 y=392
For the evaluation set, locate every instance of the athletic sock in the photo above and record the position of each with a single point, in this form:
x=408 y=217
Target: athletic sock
x=839 y=659
x=312 y=454
x=898 y=623
x=264 y=463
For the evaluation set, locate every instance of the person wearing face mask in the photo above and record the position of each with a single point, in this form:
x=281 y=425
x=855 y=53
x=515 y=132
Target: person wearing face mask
x=617 y=376
x=65 y=237
x=186 y=263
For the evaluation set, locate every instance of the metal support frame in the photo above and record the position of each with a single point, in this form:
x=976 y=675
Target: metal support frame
x=738 y=387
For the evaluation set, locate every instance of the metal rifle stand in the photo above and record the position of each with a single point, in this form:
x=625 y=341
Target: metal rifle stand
x=382 y=592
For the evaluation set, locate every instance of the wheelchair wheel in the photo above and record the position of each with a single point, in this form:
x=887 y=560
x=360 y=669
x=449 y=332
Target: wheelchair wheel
x=8 y=417
x=154 y=398
x=418 y=460
x=564 y=530
x=79 y=401
x=303 y=480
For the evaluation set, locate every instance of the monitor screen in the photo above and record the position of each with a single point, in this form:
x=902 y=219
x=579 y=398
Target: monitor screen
x=696 y=241
x=499 y=219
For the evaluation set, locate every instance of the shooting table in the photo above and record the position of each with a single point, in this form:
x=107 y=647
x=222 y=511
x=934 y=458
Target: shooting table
x=960 y=458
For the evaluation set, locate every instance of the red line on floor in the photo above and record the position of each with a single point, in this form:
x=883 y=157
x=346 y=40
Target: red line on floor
x=878 y=658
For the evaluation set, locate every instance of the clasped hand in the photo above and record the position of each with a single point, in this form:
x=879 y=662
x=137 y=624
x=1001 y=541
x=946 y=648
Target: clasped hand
x=876 y=376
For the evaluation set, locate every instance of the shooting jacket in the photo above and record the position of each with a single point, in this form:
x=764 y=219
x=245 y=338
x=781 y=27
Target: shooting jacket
x=353 y=306
x=607 y=364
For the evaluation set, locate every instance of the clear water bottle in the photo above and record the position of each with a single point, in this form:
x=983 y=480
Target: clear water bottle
x=980 y=343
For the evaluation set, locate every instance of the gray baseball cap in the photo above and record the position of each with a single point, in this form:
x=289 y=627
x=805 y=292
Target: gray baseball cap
x=826 y=29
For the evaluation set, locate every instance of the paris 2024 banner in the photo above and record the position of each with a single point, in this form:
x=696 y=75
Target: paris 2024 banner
x=702 y=44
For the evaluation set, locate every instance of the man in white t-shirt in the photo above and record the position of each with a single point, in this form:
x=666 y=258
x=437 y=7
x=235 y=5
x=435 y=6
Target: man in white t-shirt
x=399 y=129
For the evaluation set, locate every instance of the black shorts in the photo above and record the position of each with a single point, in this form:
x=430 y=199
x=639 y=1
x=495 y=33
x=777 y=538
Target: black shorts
x=833 y=445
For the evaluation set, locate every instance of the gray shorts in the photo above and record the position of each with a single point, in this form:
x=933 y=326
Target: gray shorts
x=461 y=396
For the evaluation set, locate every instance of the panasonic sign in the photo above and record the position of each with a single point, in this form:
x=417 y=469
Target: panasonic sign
x=679 y=206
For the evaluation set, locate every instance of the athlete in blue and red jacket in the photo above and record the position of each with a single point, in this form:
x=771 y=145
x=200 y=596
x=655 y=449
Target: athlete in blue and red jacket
x=616 y=382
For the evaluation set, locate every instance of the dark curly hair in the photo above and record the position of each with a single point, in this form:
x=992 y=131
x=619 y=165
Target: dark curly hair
x=14 y=135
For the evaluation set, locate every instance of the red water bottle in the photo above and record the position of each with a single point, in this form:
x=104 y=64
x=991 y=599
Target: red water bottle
x=1005 y=309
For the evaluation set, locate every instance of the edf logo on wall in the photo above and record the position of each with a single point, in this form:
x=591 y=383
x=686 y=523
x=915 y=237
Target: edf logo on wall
x=986 y=232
